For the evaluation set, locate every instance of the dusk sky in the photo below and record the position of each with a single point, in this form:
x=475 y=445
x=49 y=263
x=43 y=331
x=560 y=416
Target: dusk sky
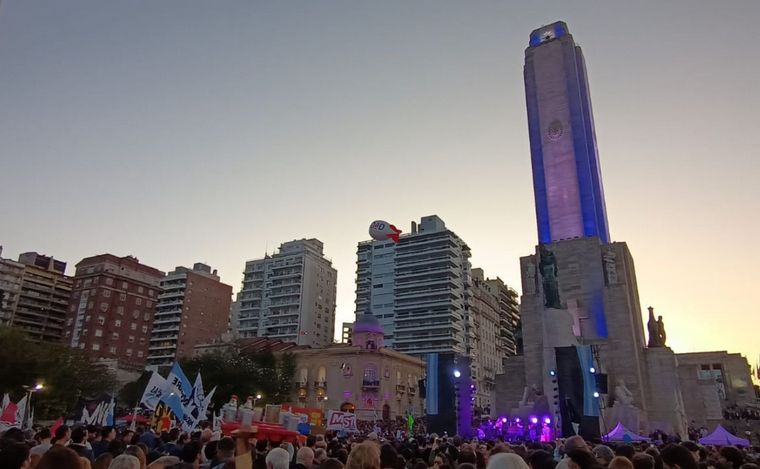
x=185 y=131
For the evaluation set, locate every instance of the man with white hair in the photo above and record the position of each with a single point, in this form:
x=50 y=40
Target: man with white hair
x=125 y=461
x=304 y=458
x=278 y=459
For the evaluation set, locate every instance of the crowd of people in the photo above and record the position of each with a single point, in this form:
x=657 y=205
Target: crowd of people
x=89 y=447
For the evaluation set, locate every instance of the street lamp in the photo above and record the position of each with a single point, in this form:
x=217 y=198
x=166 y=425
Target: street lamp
x=256 y=398
x=27 y=410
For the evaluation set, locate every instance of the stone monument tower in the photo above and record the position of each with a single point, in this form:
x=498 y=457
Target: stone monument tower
x=579 y=288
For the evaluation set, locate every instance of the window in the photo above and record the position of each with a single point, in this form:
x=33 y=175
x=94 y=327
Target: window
x=146 y=317
x=101 y=320
x=120 y=310
x=138 y=301
x=124 y=286
x=117 y=323
x=148 y=303
x=129 y=352
x=131 y=339
x=145 y=329
x=96 y=346
x=109 y=281
x=104 y=307
x=136 y=314
x=106 y=293
x=112 y=350
x=140 y=354
x=98 y=333
x=122 y=296
x=140 y=289
x=87 y=318
x=133 y=326
x=115 y=336
x=150 y=293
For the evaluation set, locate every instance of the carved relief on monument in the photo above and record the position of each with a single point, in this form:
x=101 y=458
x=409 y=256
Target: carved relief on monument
x=609 y=260
x=529 y=284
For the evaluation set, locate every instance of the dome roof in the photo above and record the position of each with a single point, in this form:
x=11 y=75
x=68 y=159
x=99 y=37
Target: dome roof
x=367 y=323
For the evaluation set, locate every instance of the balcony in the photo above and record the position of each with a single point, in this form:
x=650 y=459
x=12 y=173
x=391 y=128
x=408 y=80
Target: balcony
x=400 y=389
x=412 y=390
x=370 y=385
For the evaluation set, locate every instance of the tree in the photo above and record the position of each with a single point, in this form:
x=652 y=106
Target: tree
x=66 y=373
x=244 y=374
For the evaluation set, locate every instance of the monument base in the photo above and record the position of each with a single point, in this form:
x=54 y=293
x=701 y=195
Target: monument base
x=628 y=415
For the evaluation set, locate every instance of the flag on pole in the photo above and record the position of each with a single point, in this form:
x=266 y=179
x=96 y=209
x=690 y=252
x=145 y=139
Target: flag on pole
x=21 y=412
x=153 y=391
x=6 y=401
x=30 y=421
x=177 y=391
x=109 y=418
x=9 y=413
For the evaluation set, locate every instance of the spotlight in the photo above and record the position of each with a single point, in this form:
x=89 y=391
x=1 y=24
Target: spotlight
x=517 y=420
x=547 y=420
x=552 y=372
x=504 y=420
x=596 y=393
x=457 y=373
x=592 y=370
x=534 y=420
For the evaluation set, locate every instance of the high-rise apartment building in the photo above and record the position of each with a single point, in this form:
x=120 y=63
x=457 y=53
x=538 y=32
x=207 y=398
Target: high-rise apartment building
x=417 y=288
x=494 y=319
x=35 y=295
x=111 y=309
x=509 y=340
x=193 y=308
x=289 y=295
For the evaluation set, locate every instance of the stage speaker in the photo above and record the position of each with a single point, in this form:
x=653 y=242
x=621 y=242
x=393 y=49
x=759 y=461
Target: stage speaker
x=602 y=383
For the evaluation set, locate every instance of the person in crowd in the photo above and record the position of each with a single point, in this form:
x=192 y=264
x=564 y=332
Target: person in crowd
x=643 y=461
x=581 y=458
x=137 y=452
x=62 y=436
x=541 y=459
x=621 y=462
x=15 y=456
x=125 y=461
x=225 y=452
x=506 y=461
x=78 y=440
x=304 y=458
x=320 y=455
x=102 y=461
x=603 y=454
x=100 y=446
x=276 y=459
x=677 y=457
x=191 y=453
x=732 y=456
x=333 y=463
x=365 y=455
x=164 y=462
x=43 y=436
x=626 y=451
x=59 y=457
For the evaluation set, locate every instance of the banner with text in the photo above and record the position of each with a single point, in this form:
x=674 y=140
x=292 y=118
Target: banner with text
x=337 y=420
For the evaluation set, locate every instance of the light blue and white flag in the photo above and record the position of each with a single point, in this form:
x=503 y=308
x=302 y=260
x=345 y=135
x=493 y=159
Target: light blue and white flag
x=153 y=391
x=178 y=391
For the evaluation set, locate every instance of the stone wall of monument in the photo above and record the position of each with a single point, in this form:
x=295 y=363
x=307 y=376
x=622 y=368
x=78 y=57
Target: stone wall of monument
x=667 y=410
x=509 y=386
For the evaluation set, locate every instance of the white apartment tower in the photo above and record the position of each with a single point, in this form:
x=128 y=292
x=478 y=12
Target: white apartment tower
x=417 y=288
x=289 y=295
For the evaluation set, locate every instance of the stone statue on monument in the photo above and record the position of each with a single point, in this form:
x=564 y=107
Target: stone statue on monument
x=548 y=266
x=623 y=410
x=661 y=336
x=623 y=395
x=654 y=330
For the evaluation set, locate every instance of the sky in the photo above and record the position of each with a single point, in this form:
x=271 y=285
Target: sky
x=181 y=131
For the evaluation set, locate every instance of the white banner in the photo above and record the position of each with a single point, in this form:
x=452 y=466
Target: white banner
x=153 y=391
x=344 y=421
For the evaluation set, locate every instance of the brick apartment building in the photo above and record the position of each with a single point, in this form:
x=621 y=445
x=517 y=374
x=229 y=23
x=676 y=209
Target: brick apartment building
x=193 y=308
x=111 y=311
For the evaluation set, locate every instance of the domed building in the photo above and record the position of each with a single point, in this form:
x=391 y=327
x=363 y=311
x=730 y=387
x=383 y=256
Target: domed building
x=365 y=377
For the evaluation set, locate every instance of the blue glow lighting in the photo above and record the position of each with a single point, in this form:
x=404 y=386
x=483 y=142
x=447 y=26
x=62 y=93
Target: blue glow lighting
x=596 y=393
x=457 y=374
x=592 y=370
